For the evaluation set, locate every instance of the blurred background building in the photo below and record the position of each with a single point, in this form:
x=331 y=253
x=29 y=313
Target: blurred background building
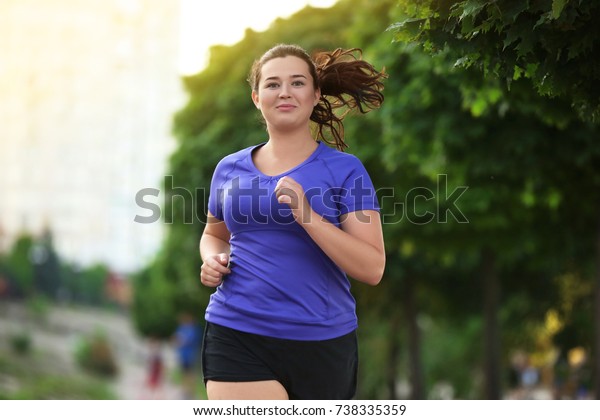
x=87 y=93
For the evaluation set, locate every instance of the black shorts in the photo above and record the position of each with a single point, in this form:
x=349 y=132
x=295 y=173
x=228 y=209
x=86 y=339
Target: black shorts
x=308 y=370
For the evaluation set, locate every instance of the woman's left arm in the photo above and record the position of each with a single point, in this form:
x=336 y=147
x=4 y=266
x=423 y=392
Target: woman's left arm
x=357 y=248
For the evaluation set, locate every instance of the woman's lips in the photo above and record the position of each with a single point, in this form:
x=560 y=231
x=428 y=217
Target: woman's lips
x=285 y=107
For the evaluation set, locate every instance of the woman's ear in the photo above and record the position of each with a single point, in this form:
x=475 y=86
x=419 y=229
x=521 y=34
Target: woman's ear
x=255 y=99
x=317 y=97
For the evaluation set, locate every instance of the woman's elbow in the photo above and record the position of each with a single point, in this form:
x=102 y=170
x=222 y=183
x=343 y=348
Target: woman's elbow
x=374 y=274
x=375 y=279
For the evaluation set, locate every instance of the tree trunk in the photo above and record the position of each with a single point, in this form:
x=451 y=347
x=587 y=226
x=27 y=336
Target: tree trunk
x=491 y=334
x=394 y=356
x=596 y=359
x=414 y=341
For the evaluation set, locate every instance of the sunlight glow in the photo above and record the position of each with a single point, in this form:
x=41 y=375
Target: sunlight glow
x=206 y=23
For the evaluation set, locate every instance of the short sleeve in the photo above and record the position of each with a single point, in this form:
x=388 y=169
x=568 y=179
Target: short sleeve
x=215 y=197
x=358 y=192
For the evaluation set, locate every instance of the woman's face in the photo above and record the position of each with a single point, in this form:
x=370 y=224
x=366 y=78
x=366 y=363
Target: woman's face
x=286 y=95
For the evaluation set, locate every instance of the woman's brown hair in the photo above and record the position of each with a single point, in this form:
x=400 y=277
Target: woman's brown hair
x=345 y=79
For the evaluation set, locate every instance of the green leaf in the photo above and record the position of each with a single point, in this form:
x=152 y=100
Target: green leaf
x=467 y=60
x=544 y=18
x=512 y=35
x=519 y=71
x=526 y=45
x=409 y=29
x=557 y=7
x=512 y=10
x=471 y=8
x=531 y=69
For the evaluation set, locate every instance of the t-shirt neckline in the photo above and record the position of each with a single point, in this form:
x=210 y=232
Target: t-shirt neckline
x=310 y=158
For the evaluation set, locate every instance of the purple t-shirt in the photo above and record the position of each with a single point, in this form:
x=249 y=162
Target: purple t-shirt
x=281 y=283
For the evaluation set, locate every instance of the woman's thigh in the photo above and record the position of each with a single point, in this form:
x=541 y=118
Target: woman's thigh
x=256 y=390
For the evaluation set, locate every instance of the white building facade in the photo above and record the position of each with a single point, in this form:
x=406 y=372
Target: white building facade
x=88 y=89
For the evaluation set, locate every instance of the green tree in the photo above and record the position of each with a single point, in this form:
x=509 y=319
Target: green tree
x=46 y=264
x=522 y=49
x=19 y=267
x=154 y=304
x=92 y=284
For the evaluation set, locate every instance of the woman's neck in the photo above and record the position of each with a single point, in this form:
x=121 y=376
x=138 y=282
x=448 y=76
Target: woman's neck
x=280 y=154
x=290 y=144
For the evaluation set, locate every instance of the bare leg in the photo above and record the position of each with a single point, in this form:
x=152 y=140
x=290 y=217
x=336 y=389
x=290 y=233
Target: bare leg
x=258 y=390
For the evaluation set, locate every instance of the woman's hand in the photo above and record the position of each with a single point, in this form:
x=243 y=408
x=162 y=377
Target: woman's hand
x=213 y=269
x=356 y=246
x=290 y=192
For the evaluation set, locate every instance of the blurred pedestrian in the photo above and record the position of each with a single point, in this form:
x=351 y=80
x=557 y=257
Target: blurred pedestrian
x=288 y=220
x=155 y=369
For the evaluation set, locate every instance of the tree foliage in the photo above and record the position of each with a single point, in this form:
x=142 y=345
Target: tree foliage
x=33 y=269
x=553 y=43
x=527 y=52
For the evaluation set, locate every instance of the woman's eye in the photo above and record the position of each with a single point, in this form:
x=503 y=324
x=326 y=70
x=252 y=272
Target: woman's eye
x=298 y=83
x=272 y=85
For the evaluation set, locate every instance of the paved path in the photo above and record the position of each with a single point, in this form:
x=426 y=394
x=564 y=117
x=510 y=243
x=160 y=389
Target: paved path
x=62 y=328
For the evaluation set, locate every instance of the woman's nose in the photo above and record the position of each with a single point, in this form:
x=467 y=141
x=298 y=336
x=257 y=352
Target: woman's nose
x=283 y=93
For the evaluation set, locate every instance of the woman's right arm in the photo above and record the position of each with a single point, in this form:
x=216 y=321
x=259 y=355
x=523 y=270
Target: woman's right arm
x=214 y=251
